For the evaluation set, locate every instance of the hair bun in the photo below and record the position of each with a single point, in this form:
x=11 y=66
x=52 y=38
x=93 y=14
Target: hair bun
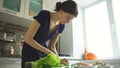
x=58 y=6
x=68 y=6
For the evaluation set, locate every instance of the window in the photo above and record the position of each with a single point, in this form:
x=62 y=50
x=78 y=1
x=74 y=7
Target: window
x=97 y=31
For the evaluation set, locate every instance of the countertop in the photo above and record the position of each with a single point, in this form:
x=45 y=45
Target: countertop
x=114 y=62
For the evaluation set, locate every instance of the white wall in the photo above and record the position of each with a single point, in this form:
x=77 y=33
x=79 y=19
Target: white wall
x=78 y=35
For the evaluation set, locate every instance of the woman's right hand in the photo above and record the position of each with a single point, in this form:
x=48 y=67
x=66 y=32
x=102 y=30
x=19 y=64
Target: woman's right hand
x=64 y=62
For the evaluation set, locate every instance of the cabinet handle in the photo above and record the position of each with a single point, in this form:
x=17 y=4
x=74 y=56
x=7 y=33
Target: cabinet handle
x=11 y=11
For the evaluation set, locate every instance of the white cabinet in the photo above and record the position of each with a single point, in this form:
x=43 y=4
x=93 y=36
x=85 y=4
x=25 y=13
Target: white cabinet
x=12 y=65
x=10 y=62
x=32 y=8
x=19 y=12
x=12 y=7
x=21 y=8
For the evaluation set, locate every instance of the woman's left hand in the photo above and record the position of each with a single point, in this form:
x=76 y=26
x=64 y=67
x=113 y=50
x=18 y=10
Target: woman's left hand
x=64 y=62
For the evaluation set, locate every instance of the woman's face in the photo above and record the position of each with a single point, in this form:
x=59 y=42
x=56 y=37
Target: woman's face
x=65 y=17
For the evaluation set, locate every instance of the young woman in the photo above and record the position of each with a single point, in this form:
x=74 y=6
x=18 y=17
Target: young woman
x=47 y=26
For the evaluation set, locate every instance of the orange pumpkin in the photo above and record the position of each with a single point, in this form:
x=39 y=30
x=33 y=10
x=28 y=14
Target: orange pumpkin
x=90 y=56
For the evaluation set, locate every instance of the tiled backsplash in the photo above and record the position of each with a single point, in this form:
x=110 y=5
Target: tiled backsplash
x=11 y=37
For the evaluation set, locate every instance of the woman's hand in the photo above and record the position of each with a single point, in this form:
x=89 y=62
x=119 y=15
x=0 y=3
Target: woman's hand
x=64 y=62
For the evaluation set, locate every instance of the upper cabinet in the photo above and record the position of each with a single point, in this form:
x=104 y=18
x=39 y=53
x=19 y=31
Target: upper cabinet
x=32 y=8
x=13 y=7
x=21 y=8
x=19 y=12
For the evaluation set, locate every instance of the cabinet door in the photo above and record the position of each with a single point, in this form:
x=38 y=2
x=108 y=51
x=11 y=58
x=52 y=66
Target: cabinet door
x=14 y=7
x=10 y=65
x=32 y=8
x=10 y=62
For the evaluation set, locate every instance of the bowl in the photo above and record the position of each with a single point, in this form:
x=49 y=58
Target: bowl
x=105 y=66
x=57 y=67
x=61 y=67
x=85 y=67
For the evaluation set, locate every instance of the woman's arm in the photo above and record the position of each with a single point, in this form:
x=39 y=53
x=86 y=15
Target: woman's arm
x=52 y=44
x=53 y=49
x=29 y=38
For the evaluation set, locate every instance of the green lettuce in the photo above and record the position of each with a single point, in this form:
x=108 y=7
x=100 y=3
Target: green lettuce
x=49 y=61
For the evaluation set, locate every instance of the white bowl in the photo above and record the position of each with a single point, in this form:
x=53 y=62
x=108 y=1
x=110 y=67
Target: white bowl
x=85 y=67
x=105 y=67
x=61 y=67
x=57 y=67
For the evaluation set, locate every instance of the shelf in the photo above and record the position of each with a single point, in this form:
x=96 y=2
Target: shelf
x=13 y=26
x=7 y=41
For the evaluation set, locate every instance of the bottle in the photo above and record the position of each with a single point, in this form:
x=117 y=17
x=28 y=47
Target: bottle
x=11 y=50
x=5 y=36
x=85 y=52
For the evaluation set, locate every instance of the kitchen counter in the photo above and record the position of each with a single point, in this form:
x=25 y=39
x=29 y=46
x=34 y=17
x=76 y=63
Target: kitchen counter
x=6 y=62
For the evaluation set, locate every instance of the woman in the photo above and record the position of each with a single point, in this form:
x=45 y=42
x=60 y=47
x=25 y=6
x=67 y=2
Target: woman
x=47 y=26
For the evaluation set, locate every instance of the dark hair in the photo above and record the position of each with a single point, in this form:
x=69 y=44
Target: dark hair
x=68 y=6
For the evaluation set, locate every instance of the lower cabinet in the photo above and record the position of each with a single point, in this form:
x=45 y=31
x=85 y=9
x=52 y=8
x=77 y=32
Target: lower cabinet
x=10 y=66
x=10 y=63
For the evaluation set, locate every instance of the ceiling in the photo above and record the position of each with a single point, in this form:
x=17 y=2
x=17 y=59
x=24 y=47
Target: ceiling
x=86 y=3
